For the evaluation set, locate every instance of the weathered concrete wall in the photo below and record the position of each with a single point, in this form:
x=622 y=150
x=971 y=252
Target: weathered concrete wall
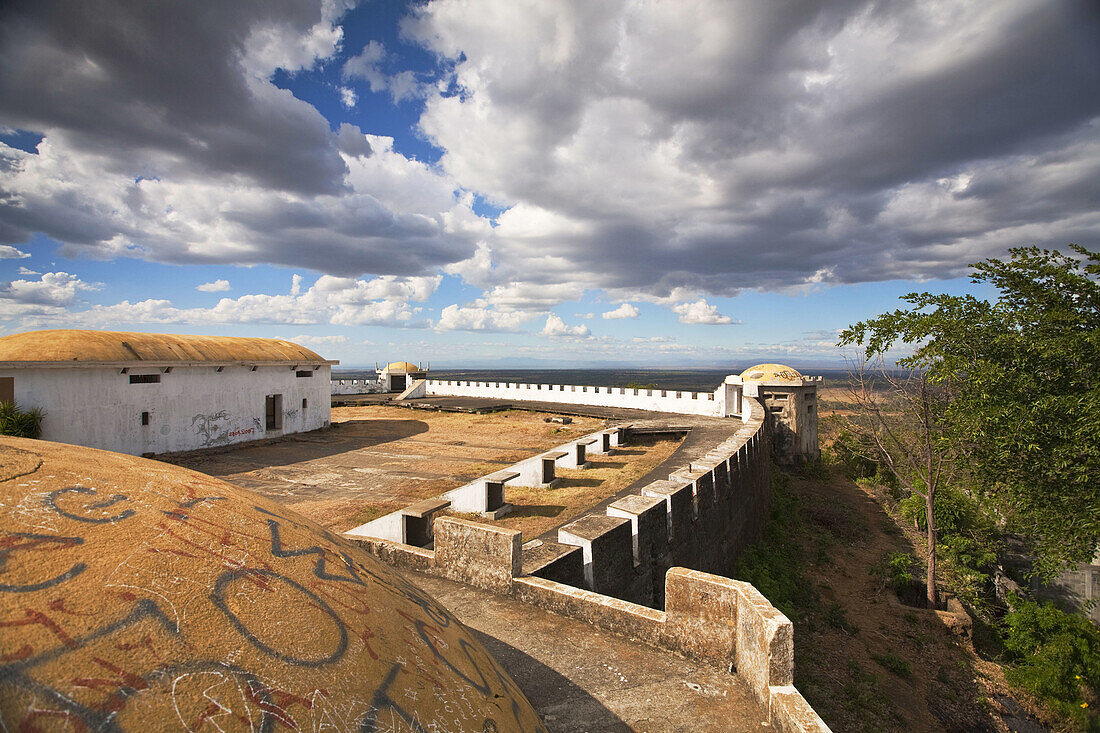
x=703 y=517
x=725 y=621
x=1078 y=588
x=355 y=386
x=191 y=407
x=721 y=403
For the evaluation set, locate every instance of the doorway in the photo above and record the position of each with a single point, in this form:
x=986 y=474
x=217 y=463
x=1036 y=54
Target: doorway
x=274 y=411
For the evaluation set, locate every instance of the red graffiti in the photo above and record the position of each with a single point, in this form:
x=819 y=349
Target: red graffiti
x=124 y=678
x=37 y=618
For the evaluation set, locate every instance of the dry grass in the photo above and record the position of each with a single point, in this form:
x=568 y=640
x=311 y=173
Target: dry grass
x=539 y=510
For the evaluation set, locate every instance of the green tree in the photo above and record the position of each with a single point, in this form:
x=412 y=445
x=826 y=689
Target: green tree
x=1026 y=404
x=898 y=419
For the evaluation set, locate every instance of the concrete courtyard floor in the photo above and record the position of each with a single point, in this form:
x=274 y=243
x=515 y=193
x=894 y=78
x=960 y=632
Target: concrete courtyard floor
x=375 y=459
x=580 y=678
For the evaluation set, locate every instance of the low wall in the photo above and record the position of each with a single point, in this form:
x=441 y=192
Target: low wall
x=655 y=400
x=725 y=621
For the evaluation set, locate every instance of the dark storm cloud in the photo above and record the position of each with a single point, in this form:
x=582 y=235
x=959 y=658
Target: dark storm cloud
x=165 y=77
x=731 y=145
x=165 y=138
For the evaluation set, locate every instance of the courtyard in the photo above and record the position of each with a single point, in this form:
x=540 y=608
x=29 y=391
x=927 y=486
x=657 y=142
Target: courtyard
x=378 y=458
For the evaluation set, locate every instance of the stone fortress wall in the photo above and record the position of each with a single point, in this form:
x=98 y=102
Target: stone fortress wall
x=651 y=565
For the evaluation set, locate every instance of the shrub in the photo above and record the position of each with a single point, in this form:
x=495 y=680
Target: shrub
x=894 y=663
x=854 y=454
x=954 y=512
x=20 y=423
x=640 y=385
x=967 y=548
x=1055 y=655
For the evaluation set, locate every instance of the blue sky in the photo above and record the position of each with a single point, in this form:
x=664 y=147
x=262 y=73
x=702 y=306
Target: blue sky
x=530 y=183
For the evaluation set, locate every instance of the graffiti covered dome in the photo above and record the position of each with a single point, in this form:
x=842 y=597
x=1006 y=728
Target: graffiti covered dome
x=136 y=595
x=771 y=373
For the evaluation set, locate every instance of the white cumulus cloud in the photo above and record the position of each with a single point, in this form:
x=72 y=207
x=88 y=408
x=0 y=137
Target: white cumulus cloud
x=217 y=286
x=306 y=340
x=48 y=296
x=384 y=301
x=555 y=327
x=700 y=312
x=477 y=318
x=626 y=310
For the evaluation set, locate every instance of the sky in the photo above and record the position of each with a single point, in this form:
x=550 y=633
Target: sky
x=478 y=183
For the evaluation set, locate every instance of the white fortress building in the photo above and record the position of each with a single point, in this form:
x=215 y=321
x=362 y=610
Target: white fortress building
x=147 y=394
x=397 y=376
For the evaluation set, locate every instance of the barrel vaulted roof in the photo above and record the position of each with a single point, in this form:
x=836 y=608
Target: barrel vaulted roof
x=91 y=347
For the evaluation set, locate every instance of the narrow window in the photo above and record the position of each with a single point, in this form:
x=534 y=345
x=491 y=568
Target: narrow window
x=304 y=373
x=145 y=418
x=304 y=402
x=144 y=379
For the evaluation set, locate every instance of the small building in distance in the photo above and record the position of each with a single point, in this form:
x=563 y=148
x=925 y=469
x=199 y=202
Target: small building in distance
x=790 y=400
x=397 y=376
x=147 y=393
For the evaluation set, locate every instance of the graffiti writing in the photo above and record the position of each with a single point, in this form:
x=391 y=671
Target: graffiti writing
x=212 y=429
x=88 y=511
x=26 y=542
x=181 y=598
x=228 y=585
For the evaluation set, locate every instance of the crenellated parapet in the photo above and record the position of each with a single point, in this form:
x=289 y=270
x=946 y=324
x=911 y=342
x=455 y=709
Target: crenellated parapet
x=723 y=402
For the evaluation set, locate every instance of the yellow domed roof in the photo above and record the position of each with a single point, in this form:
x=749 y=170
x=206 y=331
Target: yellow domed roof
x=399 y=367
x=160 y=597
x=771 y=373
x=76 y=346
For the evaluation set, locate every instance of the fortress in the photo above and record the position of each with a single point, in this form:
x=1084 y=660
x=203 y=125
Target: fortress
x=649 y=564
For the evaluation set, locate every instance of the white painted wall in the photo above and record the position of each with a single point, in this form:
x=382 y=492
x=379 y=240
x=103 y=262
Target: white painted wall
x=192 y=406
x=355 y=386
x=656 y=400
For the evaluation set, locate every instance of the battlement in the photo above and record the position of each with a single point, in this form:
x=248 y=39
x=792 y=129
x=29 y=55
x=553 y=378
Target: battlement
x=719 y=403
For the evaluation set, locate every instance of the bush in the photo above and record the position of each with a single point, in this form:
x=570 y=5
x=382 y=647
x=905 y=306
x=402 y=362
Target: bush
x=1055 y=655
x=967 y=546
x=852 y=453
x=20 y=423
x=954 y=511
x=894 y=663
